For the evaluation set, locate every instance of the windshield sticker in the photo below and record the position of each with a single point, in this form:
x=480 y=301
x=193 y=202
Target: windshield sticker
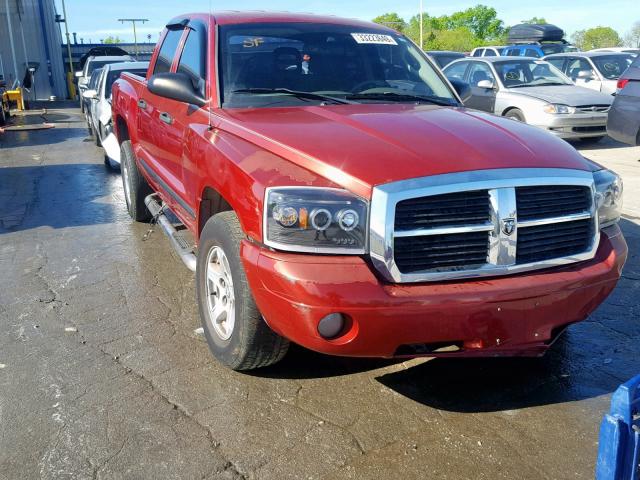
x=610 y=67
x=252 y=42
x=373 y=38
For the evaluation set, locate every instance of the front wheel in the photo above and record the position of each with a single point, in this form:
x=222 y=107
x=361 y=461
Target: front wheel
x=235 y=330
x=135 y=186
x=515 y=114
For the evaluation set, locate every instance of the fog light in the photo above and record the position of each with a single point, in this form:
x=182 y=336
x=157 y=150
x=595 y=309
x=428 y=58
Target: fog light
x=331 y=325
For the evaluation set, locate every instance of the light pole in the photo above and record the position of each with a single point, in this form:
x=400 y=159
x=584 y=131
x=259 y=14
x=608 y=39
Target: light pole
x=421 y=25
x=135 y=37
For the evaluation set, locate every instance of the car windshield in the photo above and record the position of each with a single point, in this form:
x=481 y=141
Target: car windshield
x=113 y=75
x=529 y=73
x=549 y=48
x=282 y=64
x=612 y=66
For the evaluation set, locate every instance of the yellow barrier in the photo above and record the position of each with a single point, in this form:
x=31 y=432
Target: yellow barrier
x=14 y=96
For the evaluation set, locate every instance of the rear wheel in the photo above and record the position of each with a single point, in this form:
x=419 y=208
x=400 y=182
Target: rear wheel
x=235 y=330
x=515 y=114
x=135 y=186
x=96 y=136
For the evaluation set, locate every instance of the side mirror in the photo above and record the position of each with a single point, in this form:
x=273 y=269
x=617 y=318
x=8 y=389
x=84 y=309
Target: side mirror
x=176 y=86
x=83 y=81
x=486 y=84
x=463 y=89
x=90 y=94
x=79 y=74
x=585 y=75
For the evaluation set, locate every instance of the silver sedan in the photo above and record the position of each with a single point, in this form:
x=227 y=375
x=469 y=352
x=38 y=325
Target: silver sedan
x=533 y=91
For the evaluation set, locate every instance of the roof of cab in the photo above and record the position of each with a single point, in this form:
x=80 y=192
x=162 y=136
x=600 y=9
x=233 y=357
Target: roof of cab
x=258 y=16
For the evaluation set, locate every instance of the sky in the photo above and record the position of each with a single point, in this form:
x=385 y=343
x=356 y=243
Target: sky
x=95 y=20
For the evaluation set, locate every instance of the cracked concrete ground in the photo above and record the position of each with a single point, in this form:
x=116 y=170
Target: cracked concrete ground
x=102 y=375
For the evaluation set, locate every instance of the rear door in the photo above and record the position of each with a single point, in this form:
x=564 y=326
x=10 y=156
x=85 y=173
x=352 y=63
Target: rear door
x=482 y=98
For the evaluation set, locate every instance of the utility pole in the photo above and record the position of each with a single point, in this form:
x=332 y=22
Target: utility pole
x=135 y=37
x=421 y=25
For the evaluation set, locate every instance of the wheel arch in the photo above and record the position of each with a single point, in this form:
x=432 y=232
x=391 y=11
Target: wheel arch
x=211 y=203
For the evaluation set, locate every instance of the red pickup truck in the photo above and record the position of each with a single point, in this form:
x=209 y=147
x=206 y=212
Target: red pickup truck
x=323 y=180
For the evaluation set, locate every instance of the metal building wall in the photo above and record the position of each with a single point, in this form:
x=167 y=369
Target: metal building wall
x=29 y=33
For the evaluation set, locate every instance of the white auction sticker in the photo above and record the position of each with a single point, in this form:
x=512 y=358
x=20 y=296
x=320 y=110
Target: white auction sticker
x=374 y=38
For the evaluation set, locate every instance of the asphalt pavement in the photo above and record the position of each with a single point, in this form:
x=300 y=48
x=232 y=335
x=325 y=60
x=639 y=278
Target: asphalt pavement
x=102 y=373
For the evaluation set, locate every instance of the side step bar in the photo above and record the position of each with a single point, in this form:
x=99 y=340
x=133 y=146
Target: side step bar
x=178 y=242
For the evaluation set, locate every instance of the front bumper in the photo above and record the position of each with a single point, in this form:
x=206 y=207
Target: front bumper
x=579 y=125
x=516 y=315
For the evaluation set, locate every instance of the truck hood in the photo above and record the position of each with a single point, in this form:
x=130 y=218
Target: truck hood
x=571 y=95
x=360 y=146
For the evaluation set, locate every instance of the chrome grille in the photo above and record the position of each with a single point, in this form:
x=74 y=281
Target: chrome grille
x=593 y=108
x=483 y=223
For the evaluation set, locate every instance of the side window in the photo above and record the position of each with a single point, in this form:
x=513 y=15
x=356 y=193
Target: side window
x=456 y=71
x=478 y=52
x=513 y=52
x=193 y=60
x=489 y=53
x=557 y=62
x=478 y=72
x=530 y=52
x=167 y=51
x=576 y=65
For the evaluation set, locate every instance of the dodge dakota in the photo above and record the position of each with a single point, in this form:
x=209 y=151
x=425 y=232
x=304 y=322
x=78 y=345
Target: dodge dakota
x=327 y=186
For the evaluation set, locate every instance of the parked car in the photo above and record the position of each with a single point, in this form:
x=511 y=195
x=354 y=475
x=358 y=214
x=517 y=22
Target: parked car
x=92 y=64
x=102 y=51
x=99 y=112
x=634 y=51
x=341 y=198
x=533 y=91
x=598 y=71
x=443 y=57
x=537 y=50
x=624 y=118
x=494 y=51
x=92 y=85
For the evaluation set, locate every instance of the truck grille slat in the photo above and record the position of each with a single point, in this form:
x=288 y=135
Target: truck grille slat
x=553 y=232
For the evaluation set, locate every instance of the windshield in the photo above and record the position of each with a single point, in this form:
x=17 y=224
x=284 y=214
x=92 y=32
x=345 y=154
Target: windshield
x=113 y=75
x=332 y=60
x=549 y=48
x=529 y=73
x=93 y=81
x=612 y=66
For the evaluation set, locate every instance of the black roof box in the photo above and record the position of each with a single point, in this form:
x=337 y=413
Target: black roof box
x=530 y=33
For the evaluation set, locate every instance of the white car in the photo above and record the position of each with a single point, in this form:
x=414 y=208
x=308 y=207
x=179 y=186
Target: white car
x=493 y=51
x=93 y=63
x=100 y=107
x=632 y=50
x=598 y=71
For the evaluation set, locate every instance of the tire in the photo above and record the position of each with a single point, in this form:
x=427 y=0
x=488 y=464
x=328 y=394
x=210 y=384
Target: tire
x=110 y=164
x=515 y=114
x=96 y=137
x=247 y=343
x=591 y=139
x=135 y=186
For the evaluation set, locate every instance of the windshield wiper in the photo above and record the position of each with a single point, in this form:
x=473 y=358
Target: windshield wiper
x=545 y=84
x=293 y=93
x=400 y=97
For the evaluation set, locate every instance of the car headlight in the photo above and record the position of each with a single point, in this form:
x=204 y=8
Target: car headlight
x=315 y=220
x=608 y=197
x=558 y=108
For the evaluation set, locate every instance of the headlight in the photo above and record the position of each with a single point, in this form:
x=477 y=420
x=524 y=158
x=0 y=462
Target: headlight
x=558 y=108
x=315 y=220
x=608 y=197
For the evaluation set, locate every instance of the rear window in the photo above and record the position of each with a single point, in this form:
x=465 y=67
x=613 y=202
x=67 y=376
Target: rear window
x=115 y=74
x=612 y=66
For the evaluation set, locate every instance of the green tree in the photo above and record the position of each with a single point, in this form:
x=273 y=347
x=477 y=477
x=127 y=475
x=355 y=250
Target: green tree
x=598 y=37
x=536 y=21
x=391 y=20
x=460 y=39
x=483 y=22
x=632 y=38
x=111 y=39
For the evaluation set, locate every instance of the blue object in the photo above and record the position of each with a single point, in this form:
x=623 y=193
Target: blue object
x=619 y=451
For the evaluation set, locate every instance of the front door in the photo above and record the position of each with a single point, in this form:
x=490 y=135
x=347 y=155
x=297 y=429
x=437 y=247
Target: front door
x=483 y=87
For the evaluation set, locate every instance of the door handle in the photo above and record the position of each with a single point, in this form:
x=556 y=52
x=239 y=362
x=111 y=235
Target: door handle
x=142 y=104
x=166 y=118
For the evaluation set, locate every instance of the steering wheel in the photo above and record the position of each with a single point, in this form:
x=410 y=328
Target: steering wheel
x=369 y=84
